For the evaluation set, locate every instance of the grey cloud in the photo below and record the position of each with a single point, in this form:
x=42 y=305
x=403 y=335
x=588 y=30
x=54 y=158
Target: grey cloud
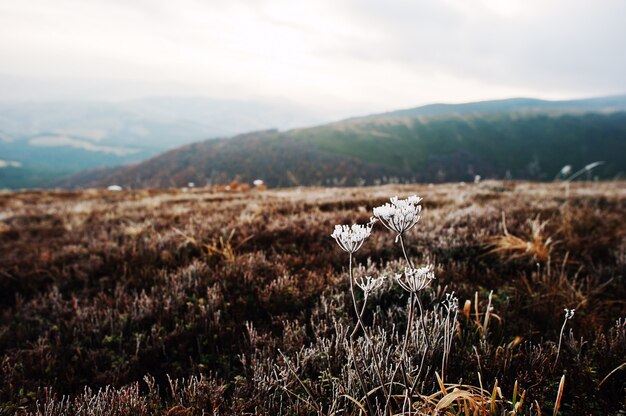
x=577 y=46
x=564 y=47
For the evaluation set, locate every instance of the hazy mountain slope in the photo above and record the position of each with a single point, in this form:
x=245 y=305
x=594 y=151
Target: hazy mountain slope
x=49 y=140
x=526 y=145
x=272 y=156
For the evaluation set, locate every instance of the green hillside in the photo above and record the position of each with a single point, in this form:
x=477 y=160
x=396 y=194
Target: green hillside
x=390 y=148
x=528 y=146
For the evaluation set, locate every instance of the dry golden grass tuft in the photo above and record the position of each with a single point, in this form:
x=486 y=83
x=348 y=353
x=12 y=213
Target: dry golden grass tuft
x=460 y=399
x=535 y=246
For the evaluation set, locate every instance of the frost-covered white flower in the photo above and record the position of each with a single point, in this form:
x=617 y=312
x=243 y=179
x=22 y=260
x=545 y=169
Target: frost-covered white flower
x=451 y=302
x=569 y=313
x=350 y=238
x=415 y=280
x=399 y=215
x=370 y=284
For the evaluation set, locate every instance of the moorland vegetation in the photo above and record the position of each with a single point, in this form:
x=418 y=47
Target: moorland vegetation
x=217 y=302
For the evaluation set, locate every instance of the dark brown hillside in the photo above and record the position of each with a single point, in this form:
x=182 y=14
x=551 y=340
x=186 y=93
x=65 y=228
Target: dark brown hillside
x=271 y=156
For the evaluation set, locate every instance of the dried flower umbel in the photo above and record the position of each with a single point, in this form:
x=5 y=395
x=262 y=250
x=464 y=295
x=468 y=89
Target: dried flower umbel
x=415 y=280
x=369 y=284
x=400 y=215
x=351 y=238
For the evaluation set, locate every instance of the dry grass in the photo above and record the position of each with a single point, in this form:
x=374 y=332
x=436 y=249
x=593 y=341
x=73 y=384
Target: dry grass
x=101 y=289
x=536 y=246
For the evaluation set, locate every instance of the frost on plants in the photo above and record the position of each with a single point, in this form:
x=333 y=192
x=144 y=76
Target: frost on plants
x=351 y=238
x=222 y=303
x=400 y=215
x=370 y=283
x=415 y=280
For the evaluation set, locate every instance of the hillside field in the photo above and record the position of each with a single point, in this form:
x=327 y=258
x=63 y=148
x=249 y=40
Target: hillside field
x=196 y=302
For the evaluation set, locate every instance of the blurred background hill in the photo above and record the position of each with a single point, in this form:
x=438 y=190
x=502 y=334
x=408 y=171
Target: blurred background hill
x=516 y=138
x=42 y=141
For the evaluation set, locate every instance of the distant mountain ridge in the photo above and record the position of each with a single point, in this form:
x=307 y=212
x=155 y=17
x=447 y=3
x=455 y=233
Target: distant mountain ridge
x=517 y=138
x=610 y=103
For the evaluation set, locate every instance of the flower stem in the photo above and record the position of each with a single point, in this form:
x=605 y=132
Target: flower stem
x=404 y=252
x=404 y=345
x=371 y=344
x=558 y=350
x=423 y=320
x=419 y=303
x=352 y=335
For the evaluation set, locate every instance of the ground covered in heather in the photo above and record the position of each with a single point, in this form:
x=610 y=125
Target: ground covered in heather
x=206 y=302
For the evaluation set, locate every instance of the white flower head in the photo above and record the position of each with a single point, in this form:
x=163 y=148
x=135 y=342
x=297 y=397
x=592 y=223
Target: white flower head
x=400 y=215
x=370 y=284
x=415 y=280
x=351 y=238
x=451 y=302
x=569 y=313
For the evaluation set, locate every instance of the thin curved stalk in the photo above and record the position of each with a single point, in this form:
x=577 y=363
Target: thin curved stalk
x=419 y=303
x=351 y=340
x=423 y=320
x=419 y=372
x=376 y=364
x=356 y=308
x=404 y=252
x=558 y=350
x=404 y=345
x=359 y=316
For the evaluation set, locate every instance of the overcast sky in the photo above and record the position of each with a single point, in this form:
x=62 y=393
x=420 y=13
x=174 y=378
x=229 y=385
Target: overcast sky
x=361 y=55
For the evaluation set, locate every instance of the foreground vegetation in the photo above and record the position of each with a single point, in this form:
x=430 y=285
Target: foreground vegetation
x=204 y=302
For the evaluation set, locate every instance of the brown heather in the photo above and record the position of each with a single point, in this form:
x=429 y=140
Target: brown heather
x=229 y=303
